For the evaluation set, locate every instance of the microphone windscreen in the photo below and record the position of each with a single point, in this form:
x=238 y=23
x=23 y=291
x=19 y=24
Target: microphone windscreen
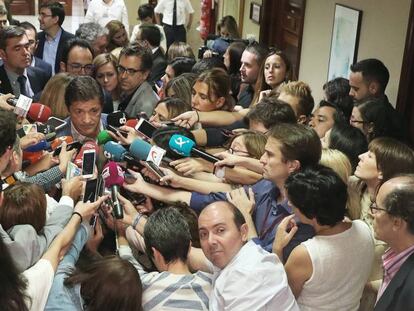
x=32 y=157
x=140 y=149
x=114 y=150
x=181 y=144
x=39 y=113
x=42 y=145
x=132 y=123
x=89 y=145
x=59 y=140
x=117 y=118
x=112 y=174
x=103 y=137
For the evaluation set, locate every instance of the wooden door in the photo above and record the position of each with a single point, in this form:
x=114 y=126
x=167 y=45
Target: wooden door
x=67 y=4
x=22 y=7
x=285 y=27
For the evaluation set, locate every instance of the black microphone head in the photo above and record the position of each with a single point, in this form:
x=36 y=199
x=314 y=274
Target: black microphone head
x=117 y=118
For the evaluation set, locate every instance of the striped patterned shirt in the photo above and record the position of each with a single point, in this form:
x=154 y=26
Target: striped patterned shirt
x=168 y=291
x=392 y=262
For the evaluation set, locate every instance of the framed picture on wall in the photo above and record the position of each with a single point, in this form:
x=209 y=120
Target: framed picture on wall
x=344 y=42
x=255 y=12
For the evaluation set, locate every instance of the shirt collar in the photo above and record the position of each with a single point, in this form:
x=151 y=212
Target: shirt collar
x=56 y=38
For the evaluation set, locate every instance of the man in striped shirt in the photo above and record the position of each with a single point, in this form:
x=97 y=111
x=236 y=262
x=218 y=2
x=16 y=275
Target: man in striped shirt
x=168 y=241
x=393 y=213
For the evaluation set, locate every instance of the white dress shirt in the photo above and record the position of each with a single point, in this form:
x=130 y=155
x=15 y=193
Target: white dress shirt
x=102 y=13
x=253 y=280
x=166 y=7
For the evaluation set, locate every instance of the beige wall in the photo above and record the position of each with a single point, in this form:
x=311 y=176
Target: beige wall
x=193 y=37
x=383 y=31
x=250 y=28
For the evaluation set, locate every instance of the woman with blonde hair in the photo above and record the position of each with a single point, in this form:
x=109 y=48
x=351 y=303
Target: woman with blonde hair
x=118 y=36
x=340 y=164
x=53 y=94
x=107 y=76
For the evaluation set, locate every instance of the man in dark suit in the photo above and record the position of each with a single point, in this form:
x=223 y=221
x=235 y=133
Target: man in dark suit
x=51 y=17
x=32 y=35
x=393 y=214
x=16 y=75
x=151 y=36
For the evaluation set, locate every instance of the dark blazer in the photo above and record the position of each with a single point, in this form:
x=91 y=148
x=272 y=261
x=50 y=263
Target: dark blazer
x=37 y=78
x=41 y=64
x=159 y=63
x=399 y=295
x=63 y=39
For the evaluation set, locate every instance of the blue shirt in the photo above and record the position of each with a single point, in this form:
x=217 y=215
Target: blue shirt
x=60 y=296
x=267 y=215
x=50 y=49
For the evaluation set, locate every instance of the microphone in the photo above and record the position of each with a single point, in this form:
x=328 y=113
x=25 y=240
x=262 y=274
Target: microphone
x=116 y=118
x=57 y=142
x=32 y=157
x=132 y=123
x=103 y=137
x=88 y=145
x=185 y=147
x=142 y=150
x=118 y=153
x=114 y=178
x=39 y=113
x=40 y=146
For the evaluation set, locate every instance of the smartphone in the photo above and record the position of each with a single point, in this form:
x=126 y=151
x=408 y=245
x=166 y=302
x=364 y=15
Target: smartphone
x=154 y=168
x=75 y=145
x=134 y=198
x=30 y=128
x=145 y=127
x=88 y=163
x=159 y=83
x=56 y=123
x=72 y=171
x=117 y=131
x=90 y=190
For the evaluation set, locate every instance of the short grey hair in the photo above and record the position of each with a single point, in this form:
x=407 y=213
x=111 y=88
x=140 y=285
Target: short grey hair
x=3 y=10
x=91 y=31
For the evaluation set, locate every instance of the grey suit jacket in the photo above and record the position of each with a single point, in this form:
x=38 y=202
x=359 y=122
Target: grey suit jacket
x=143 y=100
x=26 y=246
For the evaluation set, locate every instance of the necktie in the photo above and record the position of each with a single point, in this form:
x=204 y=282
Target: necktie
x=175 y=14
x=22 y=83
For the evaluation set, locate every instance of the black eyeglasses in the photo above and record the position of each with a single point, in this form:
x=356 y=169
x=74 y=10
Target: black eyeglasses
x=76 y=67
x=374 y=208
x=129 y=71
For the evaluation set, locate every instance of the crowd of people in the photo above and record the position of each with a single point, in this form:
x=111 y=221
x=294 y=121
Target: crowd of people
x=142 y=178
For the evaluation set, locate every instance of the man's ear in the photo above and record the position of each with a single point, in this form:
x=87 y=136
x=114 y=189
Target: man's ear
x=302 y=119
x=62 y=67
x=373 y=88
x=244 y=230
x=380 y=175
x=146 y=74
x=398 y=223
x=3 y=54
x=293 y=166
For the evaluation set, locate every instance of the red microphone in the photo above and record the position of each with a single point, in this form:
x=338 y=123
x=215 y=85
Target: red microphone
x=39 y=113
x=57 y=142
x=113 y=177
x=89 y=145
x=132 y=123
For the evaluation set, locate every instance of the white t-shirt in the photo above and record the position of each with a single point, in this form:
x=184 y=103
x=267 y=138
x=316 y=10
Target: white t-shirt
x=341 y=266
x=102 y=13
x=39 y=281
x=253 y=280
x=166 y=7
